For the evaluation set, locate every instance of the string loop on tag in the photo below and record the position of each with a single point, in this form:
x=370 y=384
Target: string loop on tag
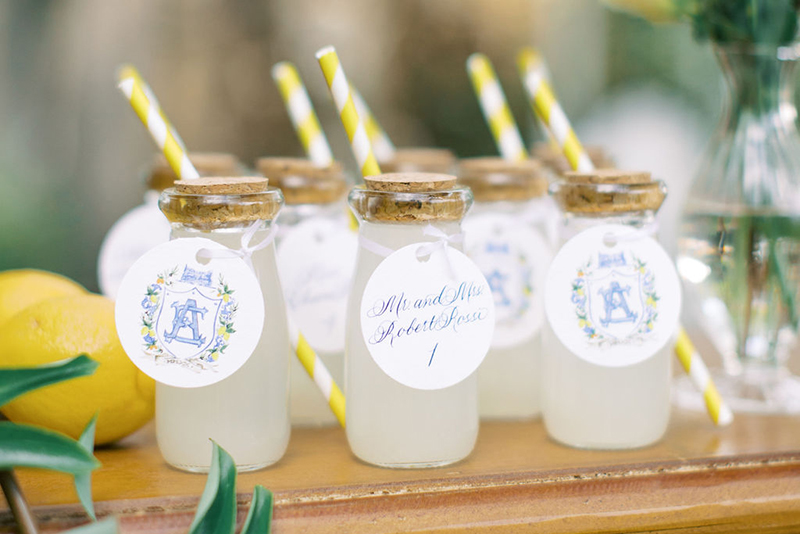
x=442 y=240
x=246 y=251
x=423 y=251
x=611 y=239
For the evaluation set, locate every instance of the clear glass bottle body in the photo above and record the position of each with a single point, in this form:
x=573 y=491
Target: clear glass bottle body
x=390 y=424
x=247 y=413
x=594 y=407
x=319 y=308
x=514 y=258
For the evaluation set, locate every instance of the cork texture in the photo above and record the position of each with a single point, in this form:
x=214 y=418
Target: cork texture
x=411 y=207
x=410 y=182
x=608 y=176
x=494 y=179
x=227 y=185
x=420 y=159
x=609 y=192
x=212 y=203
x=302 y=182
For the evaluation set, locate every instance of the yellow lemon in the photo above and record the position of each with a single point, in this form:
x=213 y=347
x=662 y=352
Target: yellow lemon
x=60 y=328
x=21 y=288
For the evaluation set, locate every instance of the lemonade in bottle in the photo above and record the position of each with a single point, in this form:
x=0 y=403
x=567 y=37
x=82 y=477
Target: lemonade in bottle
x=612 y=303
x=316 y=253
x=399 y=330
x=247 y=412
x=507 y=236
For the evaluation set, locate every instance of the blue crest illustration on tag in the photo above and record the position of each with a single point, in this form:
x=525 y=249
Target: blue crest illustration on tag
x=615 y=298
x=187 y=317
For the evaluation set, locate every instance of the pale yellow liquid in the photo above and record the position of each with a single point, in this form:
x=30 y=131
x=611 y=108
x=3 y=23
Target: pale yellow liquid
x=247 y=413
x=509 y=381
x=389 y=424
x=595 y=407
x=308 y=406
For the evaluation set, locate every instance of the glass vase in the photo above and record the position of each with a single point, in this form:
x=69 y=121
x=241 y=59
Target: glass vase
x=739 y=242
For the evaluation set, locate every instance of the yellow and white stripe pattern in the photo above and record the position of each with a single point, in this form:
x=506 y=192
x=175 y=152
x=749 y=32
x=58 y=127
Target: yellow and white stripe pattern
x=316 y=369
x=136 y=90
x=495 y=108
x=128 y=71
x=382 y=146
x=340 y=89
x=698 y=373
x=301 y=113
x=549 y=111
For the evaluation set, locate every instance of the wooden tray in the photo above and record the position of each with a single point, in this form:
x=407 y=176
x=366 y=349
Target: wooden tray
x=744 y=478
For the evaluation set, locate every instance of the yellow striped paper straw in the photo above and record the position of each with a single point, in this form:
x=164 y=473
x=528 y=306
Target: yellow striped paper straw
x=549 y=111
x=353 y=125
x=129 y=71
x=382 y=146
x=316 y=369
x=133 y=87
x=701 y=378
x=536 y=61
x=495 y=108
x=301 y=113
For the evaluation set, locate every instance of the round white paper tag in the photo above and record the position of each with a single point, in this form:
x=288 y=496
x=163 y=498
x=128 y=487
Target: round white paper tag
x=427 y=322
x=514 y=259
x=613 y=302
x=185 y=323
x=316 y=261
x=136 y=232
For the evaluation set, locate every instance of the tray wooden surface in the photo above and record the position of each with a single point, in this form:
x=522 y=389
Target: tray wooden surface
x=743 y=478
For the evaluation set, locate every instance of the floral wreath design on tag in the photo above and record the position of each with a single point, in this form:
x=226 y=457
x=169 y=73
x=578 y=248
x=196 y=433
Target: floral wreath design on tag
x=626 y=294
x=151 y=303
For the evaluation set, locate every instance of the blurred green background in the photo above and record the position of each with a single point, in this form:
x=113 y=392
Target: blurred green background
x=72 y=152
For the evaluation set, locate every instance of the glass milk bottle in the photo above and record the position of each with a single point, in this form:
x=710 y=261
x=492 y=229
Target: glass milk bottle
x=316 y=253
x=388 y=423
x=420 y=159
x=246 y=413
x=507 y=235
x=145 y=227
x=593 y=406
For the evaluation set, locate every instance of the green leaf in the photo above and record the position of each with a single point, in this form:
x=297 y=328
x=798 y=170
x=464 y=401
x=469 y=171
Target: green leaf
x=16 y=381
x=106 y=526
x=83 y=481
x=259 y=518
x=30 y=446
x=216 y=512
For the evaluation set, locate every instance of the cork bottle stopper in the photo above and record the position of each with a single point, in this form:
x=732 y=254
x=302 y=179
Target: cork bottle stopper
x=420 y=159
x=608 y=191
x=608 y=176
x=494 y=179
x=220 y=202
x=228 y=185
x=302 y=182
x=411 y=198
x=410 y=182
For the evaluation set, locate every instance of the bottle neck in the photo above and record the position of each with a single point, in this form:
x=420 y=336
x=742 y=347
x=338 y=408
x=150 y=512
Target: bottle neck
x=573 y=224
